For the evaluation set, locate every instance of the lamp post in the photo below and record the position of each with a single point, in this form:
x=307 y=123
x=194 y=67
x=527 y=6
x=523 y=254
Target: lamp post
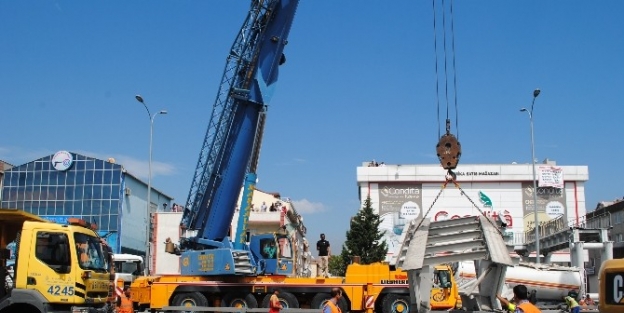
x=536 y=93
x=149 y=180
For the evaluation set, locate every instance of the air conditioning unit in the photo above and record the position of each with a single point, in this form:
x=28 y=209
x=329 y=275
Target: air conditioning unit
x=127 y=191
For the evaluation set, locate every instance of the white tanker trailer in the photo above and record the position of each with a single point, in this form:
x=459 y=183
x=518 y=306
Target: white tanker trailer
x=550 y=282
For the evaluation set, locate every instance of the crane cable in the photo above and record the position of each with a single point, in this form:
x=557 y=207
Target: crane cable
x=448 y=147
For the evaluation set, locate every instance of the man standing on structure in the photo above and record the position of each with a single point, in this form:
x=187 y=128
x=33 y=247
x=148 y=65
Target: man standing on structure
x=324 y=251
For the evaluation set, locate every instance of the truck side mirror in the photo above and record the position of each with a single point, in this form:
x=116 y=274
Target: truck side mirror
x=5 y=254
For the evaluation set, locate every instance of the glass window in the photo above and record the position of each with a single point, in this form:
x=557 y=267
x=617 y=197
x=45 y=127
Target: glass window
x=128 y=267
x=90 y=253
x=106 y=192
x=21 y=179
x=69 y=193
x=89 y=164
x=80 y=177
x=45 y=165
x=86 y=207
x=112 y=225
x=88 y=192
x=80 y=165
x=53 y=250
x=269 y=249
x=115 y=192
x=96 y=207
x=104 y=222
x=88 y=177
x=99 y=164
x=78 y=192
x=38 y=166
x=37 y=179
x=13 y=179
x=97 y=192
x=285 y=248
x=71 y=177
x=97 y=177
x=107 y=177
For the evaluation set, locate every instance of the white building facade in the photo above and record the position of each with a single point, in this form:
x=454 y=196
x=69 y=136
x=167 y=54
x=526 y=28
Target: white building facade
x=400 y=193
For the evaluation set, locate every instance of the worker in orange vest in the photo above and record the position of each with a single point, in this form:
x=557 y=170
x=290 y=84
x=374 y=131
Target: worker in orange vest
x=125 y=304
x=521 y=302
x=331 y=306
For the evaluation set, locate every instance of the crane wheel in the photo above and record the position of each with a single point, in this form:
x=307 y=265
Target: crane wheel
x=287 y=299
x=190 y=299
x=395 y=304
x=239 y=300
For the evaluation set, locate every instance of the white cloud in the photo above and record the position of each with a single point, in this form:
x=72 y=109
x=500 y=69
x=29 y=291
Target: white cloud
x=137 y=167
x=304 y=206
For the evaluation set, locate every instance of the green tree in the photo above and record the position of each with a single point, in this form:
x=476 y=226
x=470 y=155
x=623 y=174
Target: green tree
x=336 y=266
x=363 y=239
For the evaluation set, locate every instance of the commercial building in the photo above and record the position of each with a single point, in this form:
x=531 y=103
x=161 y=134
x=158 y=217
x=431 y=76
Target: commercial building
x=400 y=193
x=610 y=215
x=68 y=184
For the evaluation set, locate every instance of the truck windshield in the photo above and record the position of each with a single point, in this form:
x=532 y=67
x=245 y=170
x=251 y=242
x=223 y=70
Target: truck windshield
x=90 y=253
x=442 y=278
x=127 y=267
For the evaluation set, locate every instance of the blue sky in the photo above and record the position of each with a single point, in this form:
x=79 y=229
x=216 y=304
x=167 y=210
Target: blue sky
x=358 y=84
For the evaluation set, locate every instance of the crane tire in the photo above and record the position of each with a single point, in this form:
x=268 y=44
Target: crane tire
x=190 y=299
x=239 y=300
x=393 y=303
x=287 y=299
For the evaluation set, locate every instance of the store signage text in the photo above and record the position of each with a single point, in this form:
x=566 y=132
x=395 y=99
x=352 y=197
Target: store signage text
x=481 y=173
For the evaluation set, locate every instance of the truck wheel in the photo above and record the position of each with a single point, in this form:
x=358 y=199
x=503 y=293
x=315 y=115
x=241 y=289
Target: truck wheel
x=320 y=298
x=239 y=300
x=395 y=304
x=287 y=299
x=190 y=299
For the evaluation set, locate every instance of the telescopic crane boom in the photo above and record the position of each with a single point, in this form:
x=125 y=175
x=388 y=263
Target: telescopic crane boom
x=230 y=148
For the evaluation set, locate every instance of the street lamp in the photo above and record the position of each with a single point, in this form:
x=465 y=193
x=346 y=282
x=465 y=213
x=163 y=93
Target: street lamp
x=536 y=93
x=149 y=180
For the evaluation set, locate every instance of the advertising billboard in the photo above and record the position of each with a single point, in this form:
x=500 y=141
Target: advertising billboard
x=551 y=203
x=398 y=204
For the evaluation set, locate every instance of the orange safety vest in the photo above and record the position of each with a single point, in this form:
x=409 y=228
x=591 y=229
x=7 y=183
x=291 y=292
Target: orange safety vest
x=125 y=306
x=528 y=307
x=334 y=308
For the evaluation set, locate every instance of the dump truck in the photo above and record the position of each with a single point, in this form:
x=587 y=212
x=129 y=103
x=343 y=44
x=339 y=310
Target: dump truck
x=50 y=267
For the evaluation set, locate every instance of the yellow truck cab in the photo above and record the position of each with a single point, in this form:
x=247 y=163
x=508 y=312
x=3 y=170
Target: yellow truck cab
x=57 y=268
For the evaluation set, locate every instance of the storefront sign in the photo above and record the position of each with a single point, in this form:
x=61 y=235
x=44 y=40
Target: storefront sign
x=444 y=215
x=550 y=204
x=550 y=176
x=62 y=160
x=398 y=204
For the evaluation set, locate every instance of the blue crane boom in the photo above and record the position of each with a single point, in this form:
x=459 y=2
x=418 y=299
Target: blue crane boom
x=230 y=147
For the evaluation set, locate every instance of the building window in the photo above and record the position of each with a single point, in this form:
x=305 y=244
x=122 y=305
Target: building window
x=619 y=237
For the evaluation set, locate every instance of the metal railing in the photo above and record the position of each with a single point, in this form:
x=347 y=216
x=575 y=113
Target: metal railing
x=558 y=225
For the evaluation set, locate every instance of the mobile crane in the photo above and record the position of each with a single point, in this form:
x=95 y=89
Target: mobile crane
x=218 y=271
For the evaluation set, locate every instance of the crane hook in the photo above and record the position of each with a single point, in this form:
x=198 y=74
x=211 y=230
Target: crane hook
x=448 y=149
